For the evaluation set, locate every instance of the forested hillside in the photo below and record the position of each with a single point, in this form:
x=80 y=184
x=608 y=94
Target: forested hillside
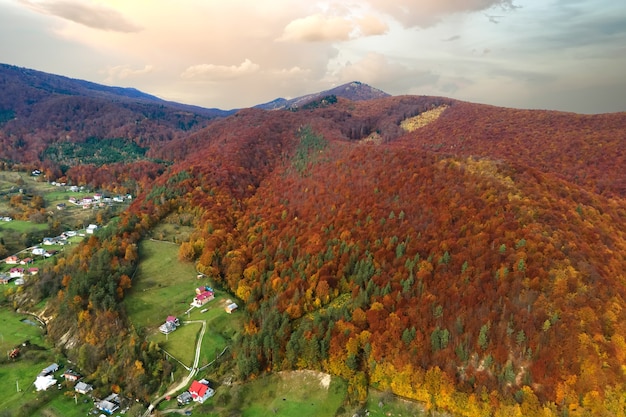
x=39 y=109
x=474 y=263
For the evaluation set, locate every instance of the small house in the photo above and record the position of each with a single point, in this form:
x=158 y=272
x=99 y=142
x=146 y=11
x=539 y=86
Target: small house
x=203 y=298
x=200 y=391
x=12 y=260
x=231 y=307
x=49 y=241
x=91 y=229
x=110 y=404
x=26 y=261
x=5 y=279
x=74 y=188
x=167 y=327
x=33 y=271
x=16 y=272
x=83 y=388
x=50 y=369
x=184 y=398
x=61 y=206
x=38 y=251
x=70 y=375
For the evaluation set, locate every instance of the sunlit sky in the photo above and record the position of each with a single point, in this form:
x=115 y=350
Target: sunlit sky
x=565 y=55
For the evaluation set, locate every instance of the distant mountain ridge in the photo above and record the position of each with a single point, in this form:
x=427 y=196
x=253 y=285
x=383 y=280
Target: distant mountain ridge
x=355 y=91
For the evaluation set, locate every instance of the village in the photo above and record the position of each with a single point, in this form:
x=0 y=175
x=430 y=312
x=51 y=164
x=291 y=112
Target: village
x=54 y=376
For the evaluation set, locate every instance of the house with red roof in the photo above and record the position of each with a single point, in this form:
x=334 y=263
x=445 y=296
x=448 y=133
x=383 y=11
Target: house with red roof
x=202 y=298
x=16 y=272
x=200 y=391
x=14 y=260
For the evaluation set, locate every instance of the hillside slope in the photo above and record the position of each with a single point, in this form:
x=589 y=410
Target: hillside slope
x=462 y=264
x=38 y=109
x=405 y=261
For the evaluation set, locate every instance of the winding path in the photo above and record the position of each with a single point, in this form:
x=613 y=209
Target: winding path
x=188 y=378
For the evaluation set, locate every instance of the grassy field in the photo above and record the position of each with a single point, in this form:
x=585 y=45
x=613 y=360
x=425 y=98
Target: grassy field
x=14 y=330
x=162 y=285
x=165 y=286
x=293 y=394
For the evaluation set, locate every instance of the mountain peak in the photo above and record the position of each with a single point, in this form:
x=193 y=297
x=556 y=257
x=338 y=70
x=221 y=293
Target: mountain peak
x=355 y=91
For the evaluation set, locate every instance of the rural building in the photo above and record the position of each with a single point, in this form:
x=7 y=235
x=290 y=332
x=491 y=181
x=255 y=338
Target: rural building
x=110 y=404
x=16 y=272
x=171 y=323
x=91 y=229
x=231 y=307
x=12 y=260
x=83 y=388
x=203 y=298
x=26 y=261
x=70 y=375
x=49 y=241
x=33 y=271
x=43 y=382
x=184 y=398
x=38 y=251
x=167 y=327
x=50 y=369
x=200 y=391
x=5 y=279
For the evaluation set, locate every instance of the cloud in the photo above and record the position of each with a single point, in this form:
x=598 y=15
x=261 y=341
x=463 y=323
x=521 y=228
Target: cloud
x=90 y=15
x=221 y=72
x=452 y=38
x=377 y=70
x=322 y=28
x=121 y=72
x=425 y=13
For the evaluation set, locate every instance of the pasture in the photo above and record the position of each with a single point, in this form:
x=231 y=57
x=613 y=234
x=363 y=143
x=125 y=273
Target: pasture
x=293 y=394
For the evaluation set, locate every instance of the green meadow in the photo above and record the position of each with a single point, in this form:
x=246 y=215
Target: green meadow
x=161 y=286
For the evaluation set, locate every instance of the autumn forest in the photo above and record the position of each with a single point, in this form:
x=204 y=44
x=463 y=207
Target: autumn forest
x=465 y=256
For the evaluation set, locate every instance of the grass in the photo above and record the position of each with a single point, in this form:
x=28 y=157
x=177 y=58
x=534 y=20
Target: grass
x=22 y=226
x=292 y=394
x=162 y=285
x=181 y=343
x=24 y=370
x=14 y=329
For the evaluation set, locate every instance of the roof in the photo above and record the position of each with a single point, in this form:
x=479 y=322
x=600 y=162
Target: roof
x=83 y=387
x=171 y=318
x=198 y=389
x=204 y=295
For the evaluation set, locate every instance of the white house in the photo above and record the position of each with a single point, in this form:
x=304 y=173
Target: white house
x=200 y=391
x=91 y=228
x=83 y=388
x=39 y=251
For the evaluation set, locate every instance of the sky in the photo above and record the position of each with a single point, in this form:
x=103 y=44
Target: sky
x=567 y=55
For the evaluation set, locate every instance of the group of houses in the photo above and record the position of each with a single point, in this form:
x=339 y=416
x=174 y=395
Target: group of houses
x=46 y=379
x=97 y=200
x=199 y=391
x=17 y=273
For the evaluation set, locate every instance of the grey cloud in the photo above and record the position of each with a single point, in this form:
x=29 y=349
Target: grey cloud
x=452 y=38
x=93 y=16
